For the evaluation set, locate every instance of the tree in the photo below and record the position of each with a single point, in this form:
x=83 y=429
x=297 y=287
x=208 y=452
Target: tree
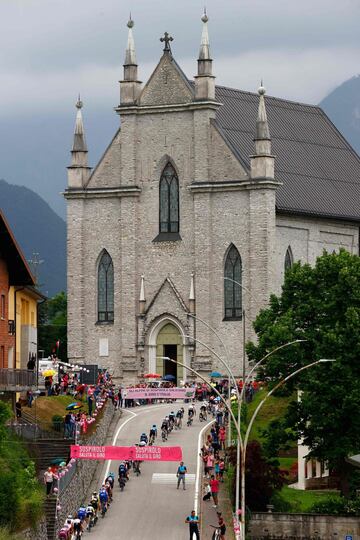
x=322 y=305
x=262 y=477
x=53 y=325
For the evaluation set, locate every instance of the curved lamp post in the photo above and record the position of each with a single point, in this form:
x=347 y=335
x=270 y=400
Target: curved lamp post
x=247 y=434
x=196 y=318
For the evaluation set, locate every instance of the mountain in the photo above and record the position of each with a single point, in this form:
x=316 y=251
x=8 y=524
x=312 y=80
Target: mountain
x=37 y=229
x=342 y=106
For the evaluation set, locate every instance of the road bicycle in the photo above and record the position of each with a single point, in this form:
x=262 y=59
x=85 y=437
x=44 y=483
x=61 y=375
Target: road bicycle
x=190 y=421
x=217 y=533
x=163 y=435
x=151 y=440
x=202 y=416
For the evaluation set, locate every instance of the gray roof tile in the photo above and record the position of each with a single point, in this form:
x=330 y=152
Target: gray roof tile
x=319 y=170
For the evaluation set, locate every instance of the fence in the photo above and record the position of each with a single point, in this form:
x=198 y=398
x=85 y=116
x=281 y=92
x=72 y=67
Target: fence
x=37 y=432
x=16 y=379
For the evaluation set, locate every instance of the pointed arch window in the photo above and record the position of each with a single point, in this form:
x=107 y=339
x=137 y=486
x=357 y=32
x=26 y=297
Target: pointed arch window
x=289 y=259
x=233 y=291
x=169 y=201
x=105 y=289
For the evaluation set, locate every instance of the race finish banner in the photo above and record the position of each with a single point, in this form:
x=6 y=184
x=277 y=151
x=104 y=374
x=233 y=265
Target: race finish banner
x=159 y=393
x=134 y=453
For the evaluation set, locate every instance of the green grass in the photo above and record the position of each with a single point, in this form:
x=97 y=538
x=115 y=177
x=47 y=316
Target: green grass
x=273 y=408
x=302 y=500
x=44 y=407
x=285 y=463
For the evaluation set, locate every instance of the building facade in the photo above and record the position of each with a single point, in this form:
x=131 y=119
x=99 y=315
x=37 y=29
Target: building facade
x=187 y=223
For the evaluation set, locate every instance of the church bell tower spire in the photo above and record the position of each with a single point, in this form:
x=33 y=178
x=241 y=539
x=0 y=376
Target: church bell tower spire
x=130 y=87
x=78 y=171
x=204 y=80
x=262 y=163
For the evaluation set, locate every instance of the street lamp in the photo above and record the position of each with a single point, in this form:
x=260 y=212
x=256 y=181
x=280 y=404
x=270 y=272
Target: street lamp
x=196 y=318
x=247 y=434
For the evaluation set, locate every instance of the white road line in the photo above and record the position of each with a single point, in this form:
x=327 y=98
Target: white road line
x=171 y=478
x=124 y=424
x=198 y=468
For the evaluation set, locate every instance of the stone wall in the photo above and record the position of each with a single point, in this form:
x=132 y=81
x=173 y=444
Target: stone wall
x=77 y=491
x=38 y=533
x=302 y=527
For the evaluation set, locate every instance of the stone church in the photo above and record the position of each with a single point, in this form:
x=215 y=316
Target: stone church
x=203 y=198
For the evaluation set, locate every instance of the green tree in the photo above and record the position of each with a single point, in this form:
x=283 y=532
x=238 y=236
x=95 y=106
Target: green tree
x=322 y=305
x=53 y=325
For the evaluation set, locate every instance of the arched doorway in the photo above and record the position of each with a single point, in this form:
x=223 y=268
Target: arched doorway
x=169 y=343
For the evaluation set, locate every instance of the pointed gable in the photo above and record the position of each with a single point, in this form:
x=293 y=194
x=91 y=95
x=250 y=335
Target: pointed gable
x=167 y=85
x=167 y=295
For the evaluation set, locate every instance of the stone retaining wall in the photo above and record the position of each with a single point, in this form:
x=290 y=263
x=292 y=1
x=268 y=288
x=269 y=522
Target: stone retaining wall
x=76 y=492
x=38 y=533
x=274 y=526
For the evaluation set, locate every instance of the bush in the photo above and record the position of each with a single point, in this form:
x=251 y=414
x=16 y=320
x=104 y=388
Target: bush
x=280 y=504
x=337 y=506
x=57 y=422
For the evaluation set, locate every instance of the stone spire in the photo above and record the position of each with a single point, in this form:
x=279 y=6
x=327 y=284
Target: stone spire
x=192 y=295
x=204 y=80
x=78 y=171
x=262 y=163
x=142 y=299
x=130 y=87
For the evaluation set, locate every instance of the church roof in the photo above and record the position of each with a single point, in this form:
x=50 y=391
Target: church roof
x=319 y=170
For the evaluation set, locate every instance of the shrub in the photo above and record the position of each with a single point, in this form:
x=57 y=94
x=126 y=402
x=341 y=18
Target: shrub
x=337 y=506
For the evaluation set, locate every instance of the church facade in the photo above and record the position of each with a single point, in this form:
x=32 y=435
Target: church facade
x=186 y=225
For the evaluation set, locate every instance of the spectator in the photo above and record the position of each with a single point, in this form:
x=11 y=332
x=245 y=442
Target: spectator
x=181 y=472
x=214 y=486
x=18 y=409
x=29 y=398
x=48 y=480
x=222 y=526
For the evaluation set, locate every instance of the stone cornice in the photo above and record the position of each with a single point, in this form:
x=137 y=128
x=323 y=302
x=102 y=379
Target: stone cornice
x=176 y=107
x=234 y=185
x=101 y=193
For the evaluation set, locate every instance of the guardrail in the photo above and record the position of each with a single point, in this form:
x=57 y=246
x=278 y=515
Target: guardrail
x=15 y=379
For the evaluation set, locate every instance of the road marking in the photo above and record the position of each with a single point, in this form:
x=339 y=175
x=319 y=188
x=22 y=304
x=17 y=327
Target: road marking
x=198 y=468
x=151 y=408
x=171 y=478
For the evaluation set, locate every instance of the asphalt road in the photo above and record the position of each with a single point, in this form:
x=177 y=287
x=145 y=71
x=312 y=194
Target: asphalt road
x=151 y=507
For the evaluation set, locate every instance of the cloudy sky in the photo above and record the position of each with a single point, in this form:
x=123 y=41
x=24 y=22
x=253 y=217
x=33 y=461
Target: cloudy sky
x=53 y=49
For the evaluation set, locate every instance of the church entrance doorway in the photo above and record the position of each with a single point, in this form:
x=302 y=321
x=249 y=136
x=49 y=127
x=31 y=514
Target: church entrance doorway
x=169 y=343
x=169 y=367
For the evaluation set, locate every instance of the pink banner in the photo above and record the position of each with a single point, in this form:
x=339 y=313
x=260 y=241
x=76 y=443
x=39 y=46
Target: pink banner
x=135 y=453
x=159 y=393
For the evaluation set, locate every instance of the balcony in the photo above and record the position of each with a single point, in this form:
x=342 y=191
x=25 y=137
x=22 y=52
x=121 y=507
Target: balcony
x=16 y=380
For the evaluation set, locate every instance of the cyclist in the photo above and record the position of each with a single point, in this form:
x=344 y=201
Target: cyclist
x=165 y=428
x=109 y=491
x=203 y=414
x=95 y=501
x=90 y=515
x=77 y=527
x=104 y=498
x=111 y=479
x=192 y=410
x=179 y=416
x=152 y=434
x=144 y=438
x=82 y=513
x=123 y=472
x=172 y=418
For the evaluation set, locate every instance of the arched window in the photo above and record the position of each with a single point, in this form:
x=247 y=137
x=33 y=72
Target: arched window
x=289 y=260
x=169 y=201
x=233 y=291
x=105 y=289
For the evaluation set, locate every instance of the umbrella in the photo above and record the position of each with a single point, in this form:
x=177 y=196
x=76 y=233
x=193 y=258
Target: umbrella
x=57 y=461
x=215 y=375
x=152 y=376
x=169 y=378
x=48 y=373
x=74 y=406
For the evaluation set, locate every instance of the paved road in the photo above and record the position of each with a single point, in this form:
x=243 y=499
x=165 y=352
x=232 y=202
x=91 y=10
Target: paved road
x=147 y=509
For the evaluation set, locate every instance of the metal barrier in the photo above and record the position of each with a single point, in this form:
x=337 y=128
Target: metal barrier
x=65 y=480
x=37 y=432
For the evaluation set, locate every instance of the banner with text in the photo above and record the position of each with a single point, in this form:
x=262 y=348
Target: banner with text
x=159 y=393
x=135 y=453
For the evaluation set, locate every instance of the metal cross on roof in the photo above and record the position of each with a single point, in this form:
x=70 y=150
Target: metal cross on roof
x=167 y=39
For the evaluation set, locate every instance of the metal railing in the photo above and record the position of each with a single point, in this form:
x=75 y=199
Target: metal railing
x=13 y=379
x=43 y=430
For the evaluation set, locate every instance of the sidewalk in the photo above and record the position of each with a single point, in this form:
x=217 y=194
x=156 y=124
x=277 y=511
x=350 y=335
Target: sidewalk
x=208 y=514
